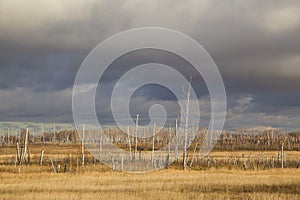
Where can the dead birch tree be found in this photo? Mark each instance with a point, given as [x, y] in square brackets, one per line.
[8, 139]
[244, 162]
[153, 140]
[52, 164]
[82, 146]
[177, 141]
[169, 147]
[18, 153]
[25, 145]
[129, 143]
[186, 127]
[136, 133]
[41, 157]
[282, 156]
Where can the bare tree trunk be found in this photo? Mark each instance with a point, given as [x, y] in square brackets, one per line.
[177, 142]
[18, 136]
[282, 156]
[169, 147]
[8, 140]
[153, 140]
[54, 170]
[18, 153]
[186, 126]
[82, 146]
[136, 132]
[93, 137]
[100, 146]
[41, 157]
[244, 162]
[129, 143]
[25, 145]
[273, 162]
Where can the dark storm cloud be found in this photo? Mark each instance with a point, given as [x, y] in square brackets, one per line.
[52, 71]
[255, 44]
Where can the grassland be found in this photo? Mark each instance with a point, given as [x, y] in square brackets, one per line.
[97, 181]
[164, 184]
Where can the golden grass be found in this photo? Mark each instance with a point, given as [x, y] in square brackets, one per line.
[99, 182]
[164, 184]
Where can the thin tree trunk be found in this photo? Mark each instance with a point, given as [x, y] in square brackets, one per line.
[82, 146]
[186, 126]
[25, 145]
[153, 140]
[244, 162]
[8, 140]
[129, 143]
[52, 164]
[41, 157]
[18, 153]
[282, 156]
[136, 133]
[177, 141]
[100, 146]
[169, 148]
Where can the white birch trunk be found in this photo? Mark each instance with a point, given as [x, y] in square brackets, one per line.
[186, 126]
[25, 144]
[282, 156]
[100, 146]
[129, 143]
[82, 146]
[177, 141]
[41, 157]
[153, 140]
[136, 132]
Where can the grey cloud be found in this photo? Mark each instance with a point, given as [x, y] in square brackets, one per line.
[19, 104]
[256, 45]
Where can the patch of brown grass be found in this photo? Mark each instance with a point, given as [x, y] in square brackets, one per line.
[164, 184]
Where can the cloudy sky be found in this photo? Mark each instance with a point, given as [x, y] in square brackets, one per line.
[255, 44]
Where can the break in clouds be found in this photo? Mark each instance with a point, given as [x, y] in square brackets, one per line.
[255, 44]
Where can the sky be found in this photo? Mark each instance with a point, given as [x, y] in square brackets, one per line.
[255, 44]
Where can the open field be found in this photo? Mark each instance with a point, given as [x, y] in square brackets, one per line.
[164, 184]
[249, 171]
[100, 182]
[69, 157]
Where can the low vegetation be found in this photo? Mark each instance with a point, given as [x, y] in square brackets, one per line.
[164, 184]
[239, 167]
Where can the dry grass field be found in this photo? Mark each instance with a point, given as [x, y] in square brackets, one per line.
[164, 184]
[96, 181]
